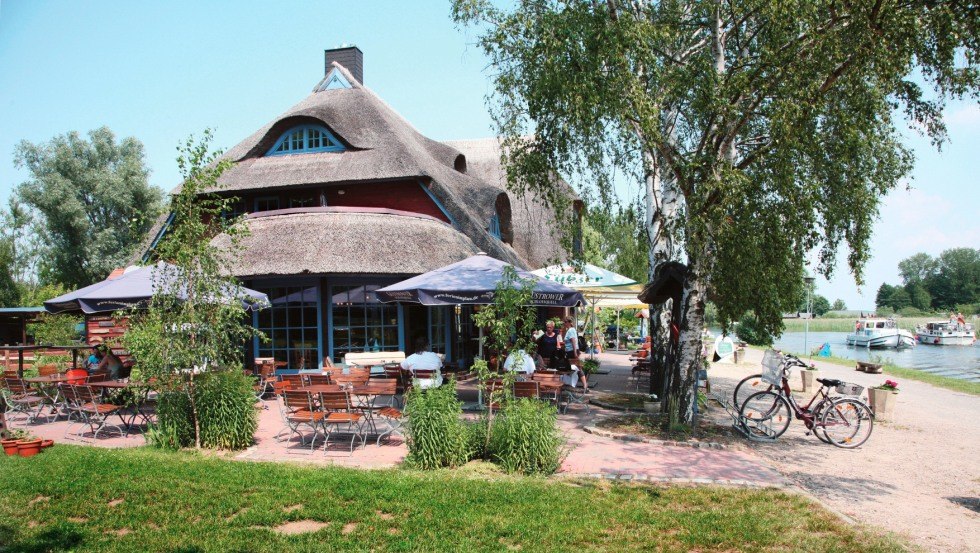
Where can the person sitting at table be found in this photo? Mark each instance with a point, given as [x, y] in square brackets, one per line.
[423, 359]
[519, 361]
[93, 359]
[108, 362]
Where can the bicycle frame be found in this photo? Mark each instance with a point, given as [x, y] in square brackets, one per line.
[804, 413]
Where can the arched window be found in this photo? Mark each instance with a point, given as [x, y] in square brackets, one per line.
[306, 139]
[494, 227]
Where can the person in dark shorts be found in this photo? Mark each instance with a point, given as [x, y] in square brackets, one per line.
[548, 345]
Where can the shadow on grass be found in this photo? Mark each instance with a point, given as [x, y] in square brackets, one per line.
[61, 537]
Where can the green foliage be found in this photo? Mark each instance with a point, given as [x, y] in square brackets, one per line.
[510, 318]
[55, 330]
[226, 407]
[226, 412]
[195, 318]
[762, 131]
[590, 365]
[940, 283]
[752, 332]
[838, 305]
[436, 434]
[91, 200]
[614, 238]
[819, 304]
[9, 296]
[526, 438]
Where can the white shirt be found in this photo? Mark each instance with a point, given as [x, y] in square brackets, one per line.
[425, 361]
[526, 365]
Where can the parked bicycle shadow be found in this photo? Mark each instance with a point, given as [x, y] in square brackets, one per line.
[842, 487]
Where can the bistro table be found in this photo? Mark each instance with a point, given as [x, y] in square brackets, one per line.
[49, 386]
[362, 397]
[141, 396]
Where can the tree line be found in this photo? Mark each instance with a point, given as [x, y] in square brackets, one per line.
[83, 211]
[950, 281]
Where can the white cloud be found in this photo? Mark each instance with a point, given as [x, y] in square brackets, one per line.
[965, 116]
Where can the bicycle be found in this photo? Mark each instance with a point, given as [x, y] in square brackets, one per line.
[845, 422]
[754, 383]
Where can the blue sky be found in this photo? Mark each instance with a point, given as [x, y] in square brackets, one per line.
[161, 71]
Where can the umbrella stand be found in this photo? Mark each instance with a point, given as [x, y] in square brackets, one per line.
[617, 329]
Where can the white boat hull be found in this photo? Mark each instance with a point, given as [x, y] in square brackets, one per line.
[883, 339]
[957, 339]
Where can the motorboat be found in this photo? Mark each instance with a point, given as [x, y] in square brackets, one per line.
[946, 333]
[879, 333]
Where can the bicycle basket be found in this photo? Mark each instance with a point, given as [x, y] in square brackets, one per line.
[772, 367]
[849, 389]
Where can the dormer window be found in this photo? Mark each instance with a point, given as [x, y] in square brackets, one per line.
[306, 139]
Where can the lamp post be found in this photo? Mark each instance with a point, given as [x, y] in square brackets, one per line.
[806, 329]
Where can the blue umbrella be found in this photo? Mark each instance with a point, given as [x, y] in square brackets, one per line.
[134, 288]
[473, 281]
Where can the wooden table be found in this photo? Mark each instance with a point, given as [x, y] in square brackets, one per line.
[50, 379]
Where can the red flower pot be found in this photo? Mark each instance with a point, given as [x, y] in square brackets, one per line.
[29, 448]
[46, 444]
[9, 446]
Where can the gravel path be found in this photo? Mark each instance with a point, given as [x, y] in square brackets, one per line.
[918, 475]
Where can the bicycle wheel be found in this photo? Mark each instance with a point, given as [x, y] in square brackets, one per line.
[847, 422]
[748, 386]
[818, 412]
[766, 415]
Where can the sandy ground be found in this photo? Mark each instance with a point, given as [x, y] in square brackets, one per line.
[918, 475]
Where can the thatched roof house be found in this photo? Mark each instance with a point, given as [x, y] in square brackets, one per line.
[341, 192]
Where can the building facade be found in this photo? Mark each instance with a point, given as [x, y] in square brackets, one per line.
[343, 196]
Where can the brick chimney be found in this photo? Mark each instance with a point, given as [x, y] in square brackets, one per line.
[350, 57]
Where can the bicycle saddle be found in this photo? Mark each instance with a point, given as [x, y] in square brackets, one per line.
[831, 382]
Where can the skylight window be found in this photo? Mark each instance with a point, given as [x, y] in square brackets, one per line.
[306, 139]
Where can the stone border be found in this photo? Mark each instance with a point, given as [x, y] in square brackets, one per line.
[628, 477]
[613, 407]
[645, 439]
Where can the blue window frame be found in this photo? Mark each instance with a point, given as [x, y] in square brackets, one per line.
[494, 227]
[266, 203]
[304, 139]
[361, 323]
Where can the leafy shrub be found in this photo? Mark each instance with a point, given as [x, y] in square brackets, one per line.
[174, 428]
[226, 407]
[525, 438]
[226, 410]
[476, 438]
[436, 434]
[752, 332]
[55, 330]
[590, 365]
[912, 312]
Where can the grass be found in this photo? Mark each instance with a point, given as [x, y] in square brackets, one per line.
[847, 325]
[85, 499]
[954, 384]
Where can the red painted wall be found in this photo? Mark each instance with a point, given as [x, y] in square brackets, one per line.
[405, 195]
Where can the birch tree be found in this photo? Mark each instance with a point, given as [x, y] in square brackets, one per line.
[764, 131]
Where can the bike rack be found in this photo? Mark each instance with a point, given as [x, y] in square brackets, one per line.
[749, 429]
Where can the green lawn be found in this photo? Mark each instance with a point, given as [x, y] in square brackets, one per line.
[83, 498]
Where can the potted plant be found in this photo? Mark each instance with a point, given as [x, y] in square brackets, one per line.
[46, 444]
[809, 378]
[882, 399]
[590, 366]
[9, 446]
[29, 448]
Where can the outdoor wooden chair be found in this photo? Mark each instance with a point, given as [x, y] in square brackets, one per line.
[386, 411]
[300, 410]
[493, 391]
[98, 377]
[97, 412]
[295, 380]
[73, 406]
[319, 379]
[528, 389]
[550, 385]
[353, 379]
[266, 373]
[359, 372]
[22, 399]
[338, 410]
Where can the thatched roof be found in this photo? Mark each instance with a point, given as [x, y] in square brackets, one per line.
[323, 240]
[466, 177]
[534, 225]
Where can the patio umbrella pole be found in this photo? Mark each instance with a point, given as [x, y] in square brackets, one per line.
[617, 329]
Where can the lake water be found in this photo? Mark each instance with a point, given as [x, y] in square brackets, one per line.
[952, 361]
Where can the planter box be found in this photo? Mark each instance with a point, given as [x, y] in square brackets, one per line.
[809, 380]
[882, 402]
